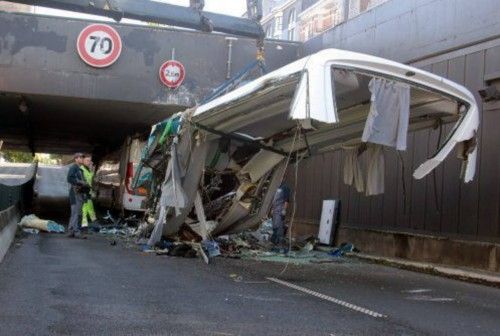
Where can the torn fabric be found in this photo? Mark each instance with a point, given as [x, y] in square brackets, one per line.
[172, 194]
[375, 170]
[352, 167]
[158, 229]
[387, 122]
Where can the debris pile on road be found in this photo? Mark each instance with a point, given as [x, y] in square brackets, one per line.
[248, 244]
[120, 226]
[255, 245]
[35, 223]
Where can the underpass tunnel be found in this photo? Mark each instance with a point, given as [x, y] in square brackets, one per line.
[65, 125]
[52, 100]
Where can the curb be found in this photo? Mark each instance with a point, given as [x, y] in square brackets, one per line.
[440, 270]
[8, 228]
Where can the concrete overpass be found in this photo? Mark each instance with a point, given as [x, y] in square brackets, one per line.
[51, 101]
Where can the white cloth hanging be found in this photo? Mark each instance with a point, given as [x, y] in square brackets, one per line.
[375, 170]
[387, 122]
[172, 193]
[158, 229]
[352, 167]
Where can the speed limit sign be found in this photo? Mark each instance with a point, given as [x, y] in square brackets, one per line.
[99, 45]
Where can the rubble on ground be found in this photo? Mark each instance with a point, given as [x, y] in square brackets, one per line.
[255, 245]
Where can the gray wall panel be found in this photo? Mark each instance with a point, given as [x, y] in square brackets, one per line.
[474, 72]
[448, 38]
[391, 196]
[419, 28]
[451, 189]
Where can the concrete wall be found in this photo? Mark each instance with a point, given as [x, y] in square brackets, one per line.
[406, 31]
[36, 49]
[424, 248]
[74, 107]
[8, 226]
[457, 39]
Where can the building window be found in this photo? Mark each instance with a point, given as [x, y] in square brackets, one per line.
[291, 34]
[278, 25]
[292, 16]
[270, 30]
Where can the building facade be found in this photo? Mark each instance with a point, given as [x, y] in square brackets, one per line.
[301, 20]
[16, 8]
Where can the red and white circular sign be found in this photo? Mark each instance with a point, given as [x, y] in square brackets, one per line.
[172, 74]
[99, 45]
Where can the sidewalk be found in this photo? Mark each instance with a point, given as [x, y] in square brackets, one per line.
[464, 274]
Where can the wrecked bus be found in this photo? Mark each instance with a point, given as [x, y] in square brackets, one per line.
[114, 179]
[217, 166]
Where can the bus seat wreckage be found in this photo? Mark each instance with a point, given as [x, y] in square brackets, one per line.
[217, 166]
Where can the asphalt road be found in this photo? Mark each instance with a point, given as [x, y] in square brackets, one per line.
[50, 285]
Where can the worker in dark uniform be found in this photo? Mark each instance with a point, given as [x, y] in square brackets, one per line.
[77, 190]
[280, 206]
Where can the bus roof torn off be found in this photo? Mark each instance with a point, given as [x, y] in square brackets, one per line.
[226, 158]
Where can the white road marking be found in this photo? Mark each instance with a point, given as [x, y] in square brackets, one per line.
[416, 291]
[429, 298]
[328, 298]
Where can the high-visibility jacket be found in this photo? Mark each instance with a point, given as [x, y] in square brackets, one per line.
[88, 175]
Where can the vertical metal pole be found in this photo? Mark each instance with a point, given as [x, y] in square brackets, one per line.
[229, 55]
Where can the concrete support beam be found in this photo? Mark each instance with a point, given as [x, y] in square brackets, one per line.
[77, 104]
[157, 12]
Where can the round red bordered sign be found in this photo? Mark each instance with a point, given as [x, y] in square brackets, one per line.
[99, 45]
[172, 74]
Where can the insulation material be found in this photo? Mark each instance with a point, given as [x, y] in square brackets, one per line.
[387, 122]
[375, 170]
[260, 164]
[353, 174]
